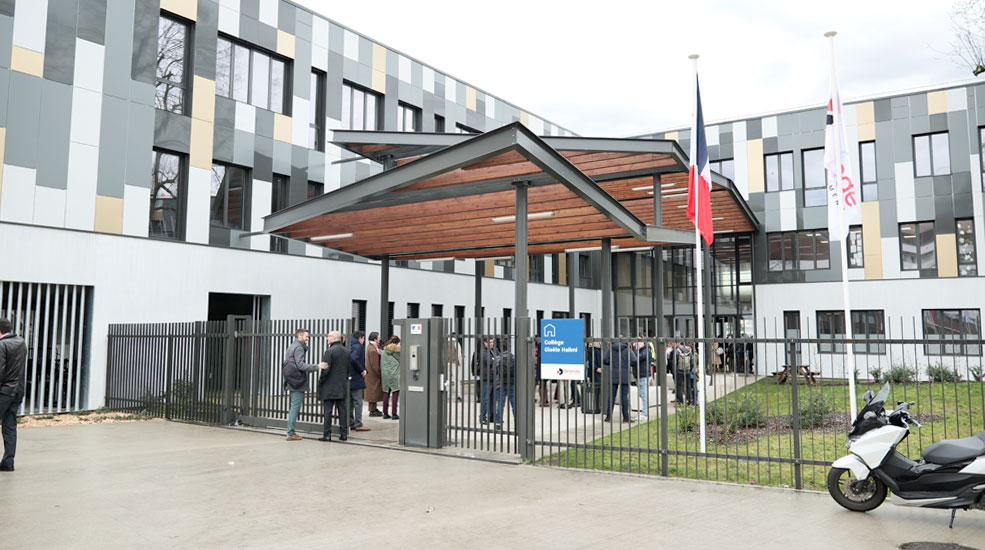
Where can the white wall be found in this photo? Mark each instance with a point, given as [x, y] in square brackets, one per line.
[138, 280]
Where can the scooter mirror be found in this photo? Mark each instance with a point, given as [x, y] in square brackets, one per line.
[867, 396]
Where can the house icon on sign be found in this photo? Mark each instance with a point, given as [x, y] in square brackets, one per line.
[550, 331]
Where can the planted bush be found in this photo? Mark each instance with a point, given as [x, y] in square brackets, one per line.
[899, 374]
[814, 410]
[942, 373]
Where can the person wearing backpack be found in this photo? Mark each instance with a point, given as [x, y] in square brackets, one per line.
[294, 371]
[505, 370]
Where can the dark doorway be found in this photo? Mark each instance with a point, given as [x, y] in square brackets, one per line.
[248, 305]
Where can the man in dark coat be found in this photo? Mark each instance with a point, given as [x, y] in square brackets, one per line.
[332, 386]
[297, 352]
[357, 380]
[13, 357]
[483, 366]
[621, 360]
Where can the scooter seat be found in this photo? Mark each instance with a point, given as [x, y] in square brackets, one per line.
[955, 450]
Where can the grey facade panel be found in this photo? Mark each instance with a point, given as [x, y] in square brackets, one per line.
[812, 120]
[392, 63]
[754, 128]
[282, 158]
[726, 150]
[786, 124]
[920, 125]
[333, 86]
[53, 134]
[304, 17]
[266, 37]
[725, 138]
[942, 186]
[92, 21]
[960, 151]
[248, 26]
[336, 40]
[222, 144]
[964, 206]
[7, 7]
[943, 215]
[4, 92]
[250, 8]
[923, 187]
[902, 143]
[302, 70]
[60, 37]
[243, 147]
[938, 123]
[299, 174]
[140, 141]
[882, 110]
[206, 40]
[146, 21]
[172, 131]
[316, 166]
[918, 105]
[23, 120]
[225, 112]
[142, 93]
[264, 123]
[112, 147]
[771, 145]
[925, 210]
[961, 183]
[302, 30]
[6, 40]
[417, 75]
[814, 217]
[118, 62]
[409, 94]
[263, 158]
[365, 52]
[886, 188]
[885, 164]
[888, 221]
[286, 17]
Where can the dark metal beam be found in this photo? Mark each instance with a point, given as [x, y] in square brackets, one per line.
[669, 235]
[480, 265]
[384, 296]
[572, 267]
[521, 260]
[606, 288]
[657, 202]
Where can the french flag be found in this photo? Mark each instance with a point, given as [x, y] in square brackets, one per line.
[699, 175]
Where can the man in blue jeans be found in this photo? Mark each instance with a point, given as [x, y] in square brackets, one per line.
[483, 366]
[299, 350]
[13, 358]
[505, 368]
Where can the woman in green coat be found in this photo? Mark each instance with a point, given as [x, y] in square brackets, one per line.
[390, 370]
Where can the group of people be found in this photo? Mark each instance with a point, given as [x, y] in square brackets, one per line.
[494, 367]
[366, 371]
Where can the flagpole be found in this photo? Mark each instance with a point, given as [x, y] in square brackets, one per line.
[699, 302]
[836, 115]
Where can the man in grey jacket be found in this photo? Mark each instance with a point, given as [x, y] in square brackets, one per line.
[298, 350]
[13, 356]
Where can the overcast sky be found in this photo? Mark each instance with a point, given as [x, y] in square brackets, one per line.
[620, 68]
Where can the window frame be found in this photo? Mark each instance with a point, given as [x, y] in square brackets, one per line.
[855, 229]
[224, 187]
[312, 186]
[186, 65]
[287, 92]
[829, 318]
[353, 89]
[718, 165]
[878, 346]
[813, 189]
[181, 207]
[970, 265]
[405, 109]
[918, 234]
[930, 151]
[948, 347]
[464, 129]
[780, 179]
[791, 241]
[317, 113]
[439, 124]
[870, 187]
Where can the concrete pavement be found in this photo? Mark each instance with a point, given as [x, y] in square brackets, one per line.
[165, 484]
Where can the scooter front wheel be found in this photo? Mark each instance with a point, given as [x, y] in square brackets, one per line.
[857, 495]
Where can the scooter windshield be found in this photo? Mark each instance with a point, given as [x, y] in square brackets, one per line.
[874, 405]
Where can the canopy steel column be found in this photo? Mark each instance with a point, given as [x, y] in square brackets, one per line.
[384, 297]
[521, 260]
[480, 265]
[658, 264]
[572, 259]
[606, 288]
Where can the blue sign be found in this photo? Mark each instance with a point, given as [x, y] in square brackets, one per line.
[562, 349]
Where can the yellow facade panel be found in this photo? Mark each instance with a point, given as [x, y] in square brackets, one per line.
[865, 113]
[27, 61]
[562, 265]
[672, 136]
[470, 97]
[109, 215]
[867, 131]
[282, 128]
[947, 256]
[490, 268]
[379, 81]
[871, 240]
[524, 119]
[200, 145]
[185, 8]
[203, 99]
[937, 102]
[285, 43]
[754, 154]
[3, 143]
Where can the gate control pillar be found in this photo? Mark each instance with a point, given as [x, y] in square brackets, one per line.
[423, 383]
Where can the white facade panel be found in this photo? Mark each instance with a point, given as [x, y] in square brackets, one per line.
[260, 207]
[89, 58]
[269, 12]
[198, 205]
[319, 32]
[49, 206]
[246, 117]
[29, 24]
[83, 167]
[17, 201]
[87, 108]
[136, 210]
[228, 21]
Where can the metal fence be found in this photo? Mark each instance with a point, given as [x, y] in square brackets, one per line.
[776, 408]
[214, 371]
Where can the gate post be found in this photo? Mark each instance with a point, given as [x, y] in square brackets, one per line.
[525, 433]
[664, 436]
[169, 373]
[229, 370]
[795, 413]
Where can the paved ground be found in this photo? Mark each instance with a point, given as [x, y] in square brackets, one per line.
[171, 485]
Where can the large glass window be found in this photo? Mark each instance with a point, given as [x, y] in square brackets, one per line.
[815, 189]
[779, 171]
[831, 324]
[869, 325]
[799, 250]
[725, 167]
[280, 198]
[229, 190]
[867, 169]
[918, 246]
[359, 108]
[316, 116]
[252, 76]
[951, 326]
[408, 118]
[172, 65]
[931, 155]
[167, 209]
[856, 257]
[967, 255]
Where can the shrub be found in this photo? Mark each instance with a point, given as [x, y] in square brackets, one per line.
[687, 418]
[184, 389]
[151, 403]
[875, 373]
[814, 410]
[942, 373]
[977, 373]
[734, 413]
[899, 374]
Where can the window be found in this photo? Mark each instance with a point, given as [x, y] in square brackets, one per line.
[463, 129]
[918, 246]
[359, 108]
[251, 76]
[535, 264]
[981, 153]
[439, 124]
[315, 189]
[779, 171]
[316, 116]
[229, 192]
[831, 324]
[952, 325]
[724, 167]
[460, 319]
[799, 250]
[507, 320]
[279, 199]
[931, 155]
[856, 256]
[585, 270]
[413, 310]
[407, 118]
[869, 325]
[359, 315]
[967, 255]
[815, 189]
[172, 65]
[167, 208]
[437, 310]
[867, 169]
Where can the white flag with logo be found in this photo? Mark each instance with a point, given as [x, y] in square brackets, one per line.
[844, 198]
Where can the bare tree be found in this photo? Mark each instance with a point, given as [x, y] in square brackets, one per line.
[968, 22]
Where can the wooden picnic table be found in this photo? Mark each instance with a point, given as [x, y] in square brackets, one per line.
[805, 371]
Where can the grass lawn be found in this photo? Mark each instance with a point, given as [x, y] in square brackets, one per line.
[946, 410]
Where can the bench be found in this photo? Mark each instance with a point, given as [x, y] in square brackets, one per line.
[804, 370]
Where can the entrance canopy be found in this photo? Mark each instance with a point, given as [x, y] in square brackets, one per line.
[454, 196]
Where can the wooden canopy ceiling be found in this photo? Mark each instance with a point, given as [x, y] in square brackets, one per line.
[454, 196]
